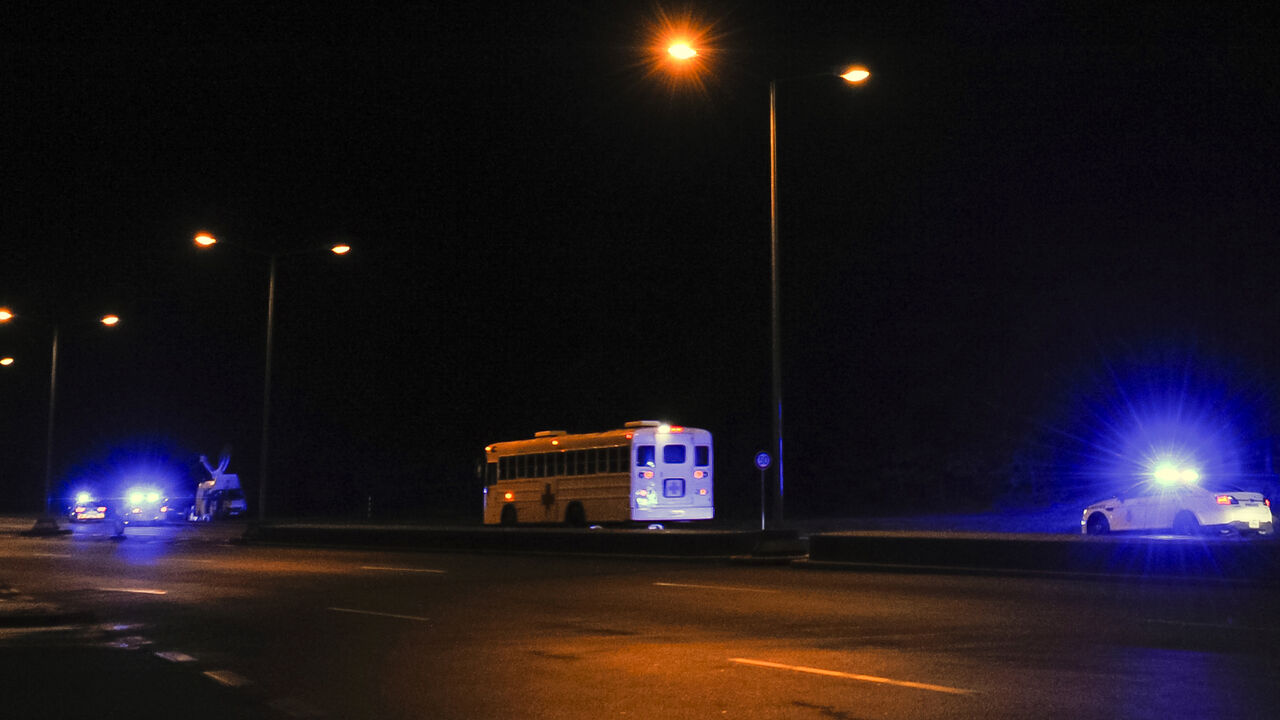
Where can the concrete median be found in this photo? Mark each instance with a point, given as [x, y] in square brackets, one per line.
[1153, 557]
[640, 542]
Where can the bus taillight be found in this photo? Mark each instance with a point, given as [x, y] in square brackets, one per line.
[699, 474]
[509, 496]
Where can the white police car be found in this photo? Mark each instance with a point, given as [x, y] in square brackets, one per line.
[1178, 499]
[87, 508]
[144, 505]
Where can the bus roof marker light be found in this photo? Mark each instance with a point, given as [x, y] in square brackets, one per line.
[664, 428]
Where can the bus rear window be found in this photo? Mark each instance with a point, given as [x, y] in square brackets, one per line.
[644, 456]
[673, 454]
[702, 455]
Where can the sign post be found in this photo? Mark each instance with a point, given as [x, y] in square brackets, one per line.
[763, 461]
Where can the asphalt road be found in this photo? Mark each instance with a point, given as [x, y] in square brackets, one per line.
[191, 625]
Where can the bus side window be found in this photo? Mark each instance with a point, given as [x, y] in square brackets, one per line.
[644, 456]
[560, 463]
[490, 473]
[592, 455]
[616, 460]
[702, 455]
[522, 466]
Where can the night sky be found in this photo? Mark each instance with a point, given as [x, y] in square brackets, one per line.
[1027, 218]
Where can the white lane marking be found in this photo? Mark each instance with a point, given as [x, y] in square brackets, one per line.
[226, 677]
[853, 676]
[18, 632]
[1210, 626]
[175, 656]
[51, 555]
[715, 587]
[402, 569]
[380, 614]
[136, 591]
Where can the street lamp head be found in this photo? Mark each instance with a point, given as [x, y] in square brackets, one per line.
[6, 361]
[6, 314]
[205, 239]
[340, 249]
[856, 74]
[110, 320]
[680, 50]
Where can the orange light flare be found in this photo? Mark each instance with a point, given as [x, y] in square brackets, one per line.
[205, 239]
[680, 48]
[856, 74]
[110, 320]
[340, 249]
[5, 314]
[6, 361]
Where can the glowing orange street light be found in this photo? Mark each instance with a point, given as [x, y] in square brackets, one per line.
[7, 361]
[205, 240]
[5, 315]
[340, 249]
[856, 74]
[680, 50]
[110, 320]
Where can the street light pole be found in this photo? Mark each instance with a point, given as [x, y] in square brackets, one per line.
[206, 240]
[774, 308]
[47, 523]
[266, 393]
[853, 75]
[48, 443]
[680, 51]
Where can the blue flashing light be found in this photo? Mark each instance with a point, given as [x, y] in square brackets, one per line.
[1166, 415]
[1166, 474]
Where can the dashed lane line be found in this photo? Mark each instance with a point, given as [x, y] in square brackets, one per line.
[403, 569]
[135, 591]
[227, 677]
[715, 587]
[380, 614]
[852, 676]
[175, 656]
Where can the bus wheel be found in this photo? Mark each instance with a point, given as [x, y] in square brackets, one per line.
[575, 515]
[508, 514]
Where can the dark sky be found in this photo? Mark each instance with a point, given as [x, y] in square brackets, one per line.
[549, 234]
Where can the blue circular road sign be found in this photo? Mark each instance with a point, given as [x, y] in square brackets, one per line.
[763, 460]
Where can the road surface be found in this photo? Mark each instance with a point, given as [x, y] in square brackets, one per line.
[251, 631]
